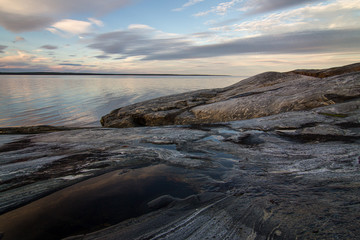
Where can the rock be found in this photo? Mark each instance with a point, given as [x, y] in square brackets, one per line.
[322, 73]
[262, 95]
[286, 175]
[280, 176]
[34, 129]
[160, 111]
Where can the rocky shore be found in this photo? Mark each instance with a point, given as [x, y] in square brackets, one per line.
[262, 95]
[275, 156]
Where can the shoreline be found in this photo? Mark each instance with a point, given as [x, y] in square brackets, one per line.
[39, 129]
[115, 74]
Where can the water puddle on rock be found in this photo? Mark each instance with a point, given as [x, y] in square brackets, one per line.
[94, 204]
[6, 139]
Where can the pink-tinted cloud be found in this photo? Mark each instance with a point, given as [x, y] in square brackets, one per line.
[25, 15]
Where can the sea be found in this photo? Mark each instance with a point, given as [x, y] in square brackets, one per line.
[81, 100]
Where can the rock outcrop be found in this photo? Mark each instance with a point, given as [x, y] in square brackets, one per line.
[262, 95]
[322, 73]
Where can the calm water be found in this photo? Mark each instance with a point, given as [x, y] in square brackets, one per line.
[82, 100]
[95, 203]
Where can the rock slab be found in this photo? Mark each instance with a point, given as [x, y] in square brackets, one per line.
[294, 175]
[262, 95]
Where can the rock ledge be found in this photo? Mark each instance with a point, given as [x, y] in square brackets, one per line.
[262, 95]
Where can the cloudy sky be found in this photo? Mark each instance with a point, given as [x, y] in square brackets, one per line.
[238, 37]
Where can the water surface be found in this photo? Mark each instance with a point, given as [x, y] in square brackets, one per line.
[94, 204]
[28, 100]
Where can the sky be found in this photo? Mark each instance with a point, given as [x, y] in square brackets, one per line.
[236, 37]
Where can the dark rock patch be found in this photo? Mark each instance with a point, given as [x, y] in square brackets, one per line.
[16, 145]
[34, 129]
[311, 138]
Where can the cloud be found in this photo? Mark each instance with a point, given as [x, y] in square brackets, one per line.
[23, 60]
[71, 64]
[18, 39]
[140, 27]
[264, 6]
[187, 4]
[49, 47]
[220, 9]
[142, 42]
[102, 57]
[21, 23]
[251, 7]
[2, 47]
[25, 15]
[204, 35]
[96, 22]
[70, 26]
[298, 42]
[337, 15]
[137, 40]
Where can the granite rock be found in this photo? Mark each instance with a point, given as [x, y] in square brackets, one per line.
[292, 175]
[262, 95]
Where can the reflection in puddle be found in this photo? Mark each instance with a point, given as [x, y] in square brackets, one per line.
[5, 138]
[94, 204]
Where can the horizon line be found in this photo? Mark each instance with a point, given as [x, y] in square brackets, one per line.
[108, 74]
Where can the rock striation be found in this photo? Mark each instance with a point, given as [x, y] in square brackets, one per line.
[293, 175]
[262, 95]
[285, 175]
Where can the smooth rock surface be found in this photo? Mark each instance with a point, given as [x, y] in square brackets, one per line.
[262, 95]
[293, 175]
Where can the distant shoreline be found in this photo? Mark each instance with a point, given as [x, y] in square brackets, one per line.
[111, 74]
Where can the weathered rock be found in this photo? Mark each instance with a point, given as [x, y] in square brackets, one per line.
[321, 73]
[160, 111]
[285, 176]
[262, 95]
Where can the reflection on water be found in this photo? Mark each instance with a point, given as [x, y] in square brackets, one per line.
[94, 204]
[82, 100]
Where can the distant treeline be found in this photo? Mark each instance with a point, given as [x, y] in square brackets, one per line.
[105, 74]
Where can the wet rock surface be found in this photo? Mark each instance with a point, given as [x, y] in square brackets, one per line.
[34, 129]
[289, 175]
[286, 176]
